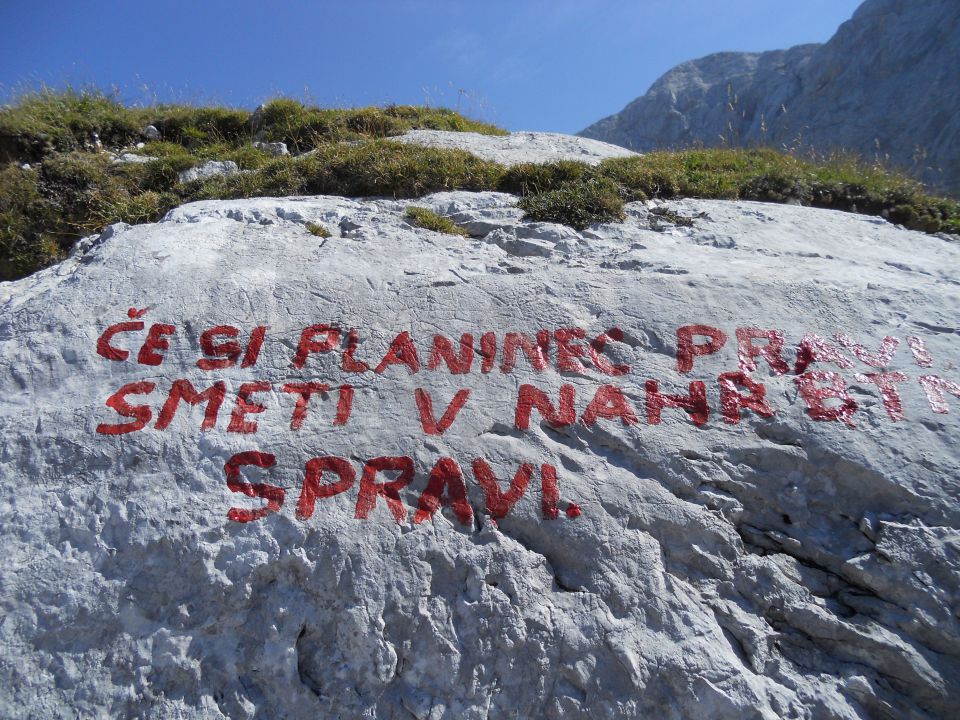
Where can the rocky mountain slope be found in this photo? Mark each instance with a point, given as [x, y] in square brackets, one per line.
[885, 86]
[701, 463]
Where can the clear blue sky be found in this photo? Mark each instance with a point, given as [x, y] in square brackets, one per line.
[553, 65]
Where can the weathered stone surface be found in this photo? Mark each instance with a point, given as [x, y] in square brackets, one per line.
[210, 168]
[518, 147]
[128, 158]
[781, 567]
[849, 93]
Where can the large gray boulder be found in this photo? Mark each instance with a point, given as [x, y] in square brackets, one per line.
[885, 86]
[790, 556]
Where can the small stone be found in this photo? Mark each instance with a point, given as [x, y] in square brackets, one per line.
[274, 148]
[547, 232]
[347, 226]
[150, 132]
[209, 169]
[133, 159]
[256, 117]
[519, 247]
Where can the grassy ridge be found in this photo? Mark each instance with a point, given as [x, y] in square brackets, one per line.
[47, 121]
[73, 188]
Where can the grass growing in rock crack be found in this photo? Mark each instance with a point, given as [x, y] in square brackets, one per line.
[669, 216]
[577, 203]
[429, 220]
[317, 230]
[73, 188]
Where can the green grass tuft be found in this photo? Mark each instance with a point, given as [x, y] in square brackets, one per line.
[429, 220]
[577, 204]
[317, 230]
[303, 128]
[28, 236]
[534, 178]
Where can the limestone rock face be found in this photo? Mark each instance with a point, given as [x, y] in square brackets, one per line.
[885, 86]
[598, 512]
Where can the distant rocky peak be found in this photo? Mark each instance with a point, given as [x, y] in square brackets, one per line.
[885, 86]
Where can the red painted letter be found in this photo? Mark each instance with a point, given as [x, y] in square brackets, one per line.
[313, 490]
[813, 349]
[731, 401]
[118, 402]
[695, 403]
[887, 384]
[536, 353]
[148, 354]
[303, 391]
[815, 396]
[919, 351]
[348, 363]
[568, 351]
[549, 492]
[609, 403]
[238, 423]
[401, 352]
[488, 351]
[273, 495]
[687, 350]
[370, 490]
[747, 351]
[309, 343]
[446, 474]
[443, 352]
[253, 347]
[888, 347]
[105, 349]
[344, 404]
[425, 406]
[497, 502]
[531, 397]
[229, 351]
[935, 387]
